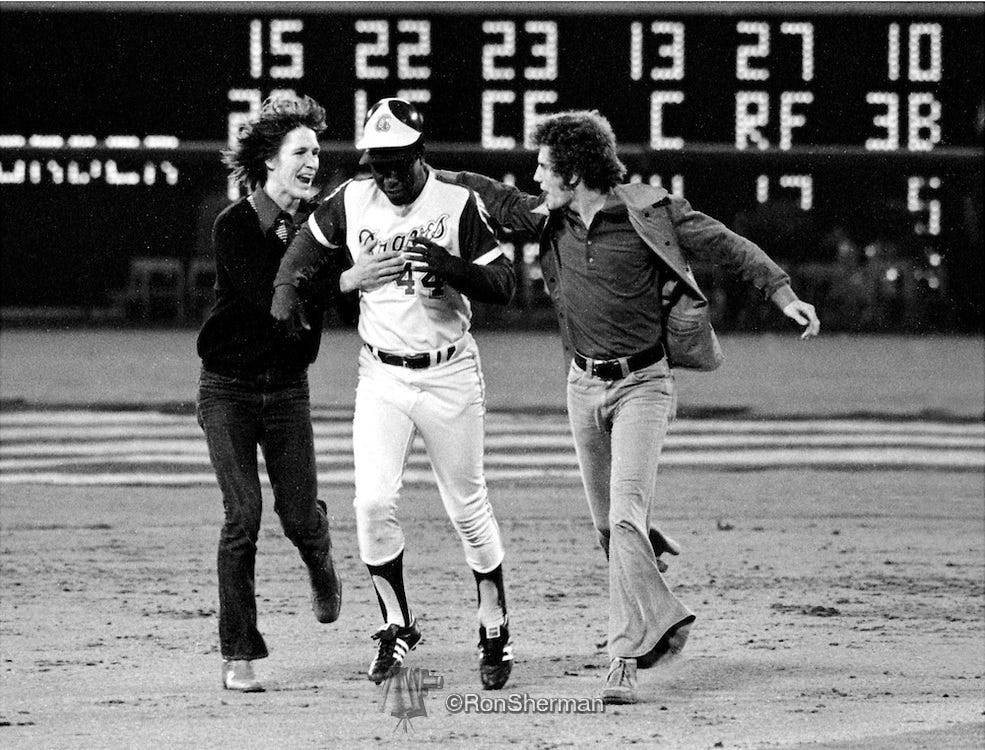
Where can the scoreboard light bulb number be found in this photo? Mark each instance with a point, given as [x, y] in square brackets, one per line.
[802, 183]
[277, 47]
[917, 202]
[746, 54]
[924, 52]
[672, 51]
[406, 53]
[545, 48]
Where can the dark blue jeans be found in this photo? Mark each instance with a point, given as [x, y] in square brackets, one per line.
[237, 414]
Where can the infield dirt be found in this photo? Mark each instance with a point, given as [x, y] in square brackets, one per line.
[835, 609]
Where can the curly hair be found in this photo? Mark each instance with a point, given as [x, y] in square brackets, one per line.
[261, 138]
[582, 145]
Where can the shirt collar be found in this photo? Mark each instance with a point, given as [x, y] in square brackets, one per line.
[267, 210]
[614, 204]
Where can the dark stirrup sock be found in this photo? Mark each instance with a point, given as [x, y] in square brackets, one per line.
[388, 580]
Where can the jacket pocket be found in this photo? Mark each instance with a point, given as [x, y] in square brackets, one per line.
[689, 338]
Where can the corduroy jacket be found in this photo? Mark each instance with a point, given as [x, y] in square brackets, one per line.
[675, 232]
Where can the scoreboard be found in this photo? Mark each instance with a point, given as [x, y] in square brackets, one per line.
[113, 115]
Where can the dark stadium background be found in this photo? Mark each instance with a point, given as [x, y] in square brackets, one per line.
[86, 253]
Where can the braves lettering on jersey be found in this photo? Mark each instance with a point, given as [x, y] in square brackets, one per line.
[417, 312]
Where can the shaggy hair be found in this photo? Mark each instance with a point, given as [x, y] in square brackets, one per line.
[261, 138]
[582, 145]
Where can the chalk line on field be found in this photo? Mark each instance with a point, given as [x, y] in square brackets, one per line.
[145, 448]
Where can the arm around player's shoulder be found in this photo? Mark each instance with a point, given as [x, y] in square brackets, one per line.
[507, 206]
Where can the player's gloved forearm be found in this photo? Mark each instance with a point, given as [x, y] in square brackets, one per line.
[492, 283]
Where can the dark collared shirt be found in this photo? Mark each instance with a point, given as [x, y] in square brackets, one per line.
[239, 336]
[611, 281]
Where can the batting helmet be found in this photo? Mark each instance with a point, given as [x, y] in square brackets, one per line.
[393, 126]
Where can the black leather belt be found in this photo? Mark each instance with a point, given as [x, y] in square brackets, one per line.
[412, 361]
[613, 369]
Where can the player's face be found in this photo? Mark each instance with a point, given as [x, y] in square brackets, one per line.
[557, 194]
[401, 180]
[291, 173]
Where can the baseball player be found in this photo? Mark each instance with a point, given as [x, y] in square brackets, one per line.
[418, 249]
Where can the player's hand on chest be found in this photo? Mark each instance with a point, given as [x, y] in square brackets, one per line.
[426, 264]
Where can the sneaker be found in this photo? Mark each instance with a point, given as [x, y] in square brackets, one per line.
[237, 674]
[620, 685]
[495, 655]
[395, 642]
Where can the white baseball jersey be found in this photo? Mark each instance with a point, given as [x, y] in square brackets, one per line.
[417, 312]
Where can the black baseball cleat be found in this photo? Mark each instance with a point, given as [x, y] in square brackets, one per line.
[395, 642]
[495, 655]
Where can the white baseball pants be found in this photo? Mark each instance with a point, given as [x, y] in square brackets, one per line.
[445, 404]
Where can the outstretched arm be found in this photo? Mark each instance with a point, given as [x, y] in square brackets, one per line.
[704, 236]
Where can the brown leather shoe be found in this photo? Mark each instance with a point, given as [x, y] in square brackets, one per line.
[237, 674]
[662, 543]
[326, 592]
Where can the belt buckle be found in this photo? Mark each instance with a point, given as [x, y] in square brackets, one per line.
[610, 369]
[601, 369]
